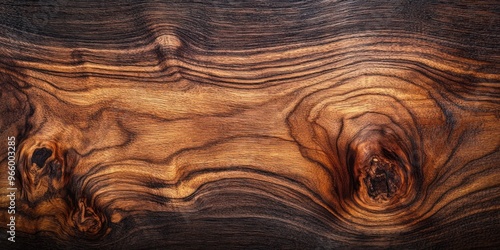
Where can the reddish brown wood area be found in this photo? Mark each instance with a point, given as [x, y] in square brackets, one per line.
[252, 124]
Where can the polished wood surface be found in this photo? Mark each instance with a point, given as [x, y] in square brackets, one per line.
[259, 124]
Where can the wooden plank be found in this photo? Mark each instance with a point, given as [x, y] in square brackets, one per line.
[267, 124]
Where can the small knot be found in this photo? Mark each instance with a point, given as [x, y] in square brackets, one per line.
[169, 42]
[381, 180]
[40, 155]
[86, 219]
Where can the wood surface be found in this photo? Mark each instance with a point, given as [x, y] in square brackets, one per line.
[252, 124]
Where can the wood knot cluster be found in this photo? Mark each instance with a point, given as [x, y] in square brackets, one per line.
[48, 184]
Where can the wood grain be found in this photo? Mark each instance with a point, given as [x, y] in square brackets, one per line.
[266, 124]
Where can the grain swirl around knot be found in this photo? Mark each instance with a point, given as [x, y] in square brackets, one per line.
[373, 151]
[271, 124]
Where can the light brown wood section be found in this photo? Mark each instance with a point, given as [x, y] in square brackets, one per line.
[267, 124]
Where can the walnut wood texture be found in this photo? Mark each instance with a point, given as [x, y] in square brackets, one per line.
[262, 124]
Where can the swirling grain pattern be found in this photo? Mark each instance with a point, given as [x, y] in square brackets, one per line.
[262, 124]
